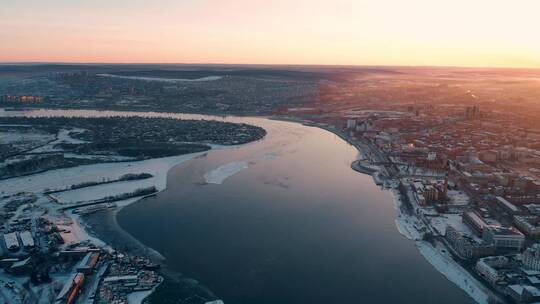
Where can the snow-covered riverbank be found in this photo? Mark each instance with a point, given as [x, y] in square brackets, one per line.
[445, 264]
[411, 227]
[56, 179]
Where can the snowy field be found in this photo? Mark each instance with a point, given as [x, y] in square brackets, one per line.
[56, 179]
[62, 137]
[220, 174]
[25, 137]
[25, 140]
[101, 191]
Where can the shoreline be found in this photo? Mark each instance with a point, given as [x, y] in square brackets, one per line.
[444, 265]
[80, 230]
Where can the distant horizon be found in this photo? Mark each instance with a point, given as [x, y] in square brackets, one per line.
[268, 65]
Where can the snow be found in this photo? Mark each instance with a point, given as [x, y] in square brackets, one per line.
[405, 226]
[269, 156]
[208, 78]
[74, 232]
[445, 264]
[439, 257]
[11, 240]
[24, 137]
[55, 179]
[27, 239]
[218, 175]
[440, 223]
[138, 297]
[61, 137]
[101, 191]
[458, 198]
[101, 158]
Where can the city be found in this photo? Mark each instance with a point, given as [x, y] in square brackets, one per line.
[247, 151]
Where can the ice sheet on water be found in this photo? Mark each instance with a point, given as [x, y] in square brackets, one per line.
[220, 174]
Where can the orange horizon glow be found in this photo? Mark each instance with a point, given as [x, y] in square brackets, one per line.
[477, 33]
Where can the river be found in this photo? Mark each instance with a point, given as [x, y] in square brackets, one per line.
[293, 223]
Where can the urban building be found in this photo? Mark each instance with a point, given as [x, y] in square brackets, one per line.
[529, 225]
[523, 293]
[503, 238]
[531, 257]
[474, 221]
[466, 247]
[488, 268]
[507, 206]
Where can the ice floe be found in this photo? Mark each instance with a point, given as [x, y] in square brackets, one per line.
[220, 174]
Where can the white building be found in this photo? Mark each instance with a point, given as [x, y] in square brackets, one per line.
[504, 238]
[487, 268]
[27, 239]
[11, 240]
[531, 257]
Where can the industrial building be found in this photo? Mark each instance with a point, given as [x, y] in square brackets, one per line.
[11, 240]
[71, 289]
[27, 240]
[88, 263]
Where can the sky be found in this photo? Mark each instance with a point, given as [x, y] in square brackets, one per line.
[486, 33]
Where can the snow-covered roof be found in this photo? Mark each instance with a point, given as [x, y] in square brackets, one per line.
[27, 239]
[11, 240]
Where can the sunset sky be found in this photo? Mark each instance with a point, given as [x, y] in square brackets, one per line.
[361, 32]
